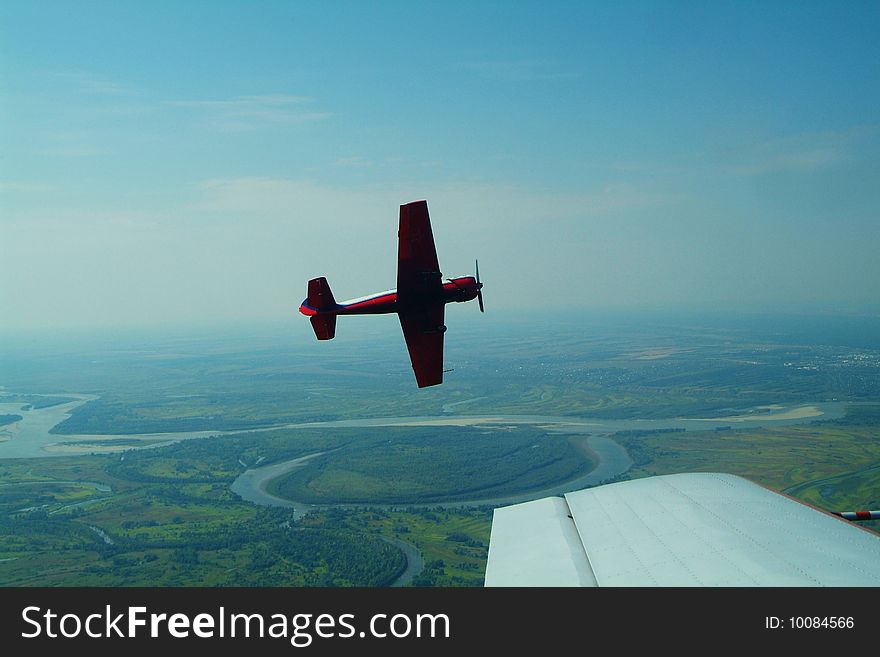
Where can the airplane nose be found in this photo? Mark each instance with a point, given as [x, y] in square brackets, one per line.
[479, 284]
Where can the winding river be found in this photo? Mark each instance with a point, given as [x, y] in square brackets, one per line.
[30, 437]
[252, 484]
[613, 460]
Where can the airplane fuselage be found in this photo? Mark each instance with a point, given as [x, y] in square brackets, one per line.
[461, 289]
[419, 301]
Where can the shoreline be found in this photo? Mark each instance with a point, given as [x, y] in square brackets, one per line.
[31, 436]
[251, 486]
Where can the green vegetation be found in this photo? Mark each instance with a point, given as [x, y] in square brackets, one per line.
[410, 465]
[221, 459]
[166, 515]
[859, 415]
[832, 465]
[128, 533]
[113, 442]
[9, 419]
[612, 370]
[35, 401]
[113, 415]
[453, 542]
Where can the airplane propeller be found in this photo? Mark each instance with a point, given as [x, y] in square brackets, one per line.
[479, 286]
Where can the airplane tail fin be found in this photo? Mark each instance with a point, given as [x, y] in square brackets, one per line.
[321, 298]
[324, 325]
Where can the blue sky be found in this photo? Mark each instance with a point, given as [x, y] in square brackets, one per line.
[173, 161]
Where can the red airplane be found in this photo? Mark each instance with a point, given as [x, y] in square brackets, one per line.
[419, 300]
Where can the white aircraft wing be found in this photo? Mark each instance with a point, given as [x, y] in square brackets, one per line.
[695, 529]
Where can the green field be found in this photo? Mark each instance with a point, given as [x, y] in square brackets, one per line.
[422, 465]
[9, 419]
[166, 515]
[147, 534]
[834, 466]
[611, 368]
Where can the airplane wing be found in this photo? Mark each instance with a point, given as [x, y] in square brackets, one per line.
[418, 273]
[693, 529]
[423, 331]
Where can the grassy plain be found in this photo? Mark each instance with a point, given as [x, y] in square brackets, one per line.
[608, 367]
[437, 464]
[166, 515]
[135, 533]
[832, 465]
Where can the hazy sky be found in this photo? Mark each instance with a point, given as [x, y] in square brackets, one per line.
[183, 160]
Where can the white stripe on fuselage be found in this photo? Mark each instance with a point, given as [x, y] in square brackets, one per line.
[369, 297]
[376, 295]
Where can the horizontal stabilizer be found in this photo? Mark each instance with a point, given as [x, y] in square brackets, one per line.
[324, 325]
